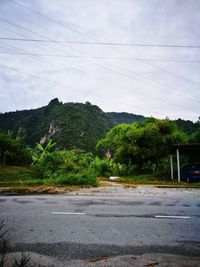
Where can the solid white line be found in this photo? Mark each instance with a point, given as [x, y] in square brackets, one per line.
[172, 217]
[67, 213]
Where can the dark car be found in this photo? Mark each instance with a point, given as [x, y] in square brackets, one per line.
[191, 173]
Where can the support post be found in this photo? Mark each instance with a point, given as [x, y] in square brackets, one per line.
[172, 170]
[178, 165]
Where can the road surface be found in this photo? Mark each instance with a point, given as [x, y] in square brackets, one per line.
[70, 228]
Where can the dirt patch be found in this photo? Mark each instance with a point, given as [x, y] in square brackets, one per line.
[117, 189]
[148, 260]
[105, 188]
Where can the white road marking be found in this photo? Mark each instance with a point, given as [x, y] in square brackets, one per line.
[172, 217]
[67, 213]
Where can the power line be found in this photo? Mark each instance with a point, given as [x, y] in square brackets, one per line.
[41, 59]
[108, 82]
[105, 67]
[32, 32]
[16, 25]
[108, 68]
[66, 68]
[171, 73]
[63, 85]
[96, 41]
[46, 80]
[96, 77]
[68, 27]
[71, 27]
[59, 84]
[102, 57]
[100, 43]
[23, 52]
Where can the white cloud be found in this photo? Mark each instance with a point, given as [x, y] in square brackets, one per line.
[143, 87]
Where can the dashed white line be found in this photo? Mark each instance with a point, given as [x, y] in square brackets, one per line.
[156, 216]
[67, 213]
[172, 217]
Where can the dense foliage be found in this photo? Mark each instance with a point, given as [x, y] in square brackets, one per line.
[70, 125]
[72, 167]
[142, 146]
[13, 150]
[195, 137]
[187, 126]
[123, 117]
[65, 167]
[66, 136]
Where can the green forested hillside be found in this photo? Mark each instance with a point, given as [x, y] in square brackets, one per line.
[71, 125]
[123, 117]
[187, 126]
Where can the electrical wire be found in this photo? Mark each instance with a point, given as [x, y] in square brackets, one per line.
[125, 75]
[108, 68]
[100, 43]
[69, 27]
[66, 86]
[102, 57]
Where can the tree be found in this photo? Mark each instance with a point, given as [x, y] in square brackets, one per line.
[13, 151]
[195, 137]
[142, 142]
[6, 146]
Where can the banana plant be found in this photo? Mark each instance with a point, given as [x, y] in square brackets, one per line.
[41, 151]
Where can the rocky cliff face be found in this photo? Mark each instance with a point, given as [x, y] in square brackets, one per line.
[70, 125]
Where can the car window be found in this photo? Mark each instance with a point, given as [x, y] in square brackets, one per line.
[191, 167]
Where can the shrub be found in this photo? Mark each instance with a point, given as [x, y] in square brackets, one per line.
[148, 167]
[13, 151]
[77, 179]
[102, 167]
[108, 167]
[66, 167]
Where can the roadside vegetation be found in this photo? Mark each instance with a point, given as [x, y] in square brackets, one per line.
[24, 260]
[137, 153]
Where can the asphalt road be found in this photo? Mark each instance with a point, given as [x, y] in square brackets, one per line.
[83, 227]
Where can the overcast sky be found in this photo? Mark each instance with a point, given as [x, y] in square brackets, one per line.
[151, 81]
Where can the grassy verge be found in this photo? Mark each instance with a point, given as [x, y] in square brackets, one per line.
[14, 179]
[156, 180]
[20, 180]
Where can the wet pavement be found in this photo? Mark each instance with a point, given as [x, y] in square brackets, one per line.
[106, 228]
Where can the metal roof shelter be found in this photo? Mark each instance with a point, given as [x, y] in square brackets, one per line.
[185, 149]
